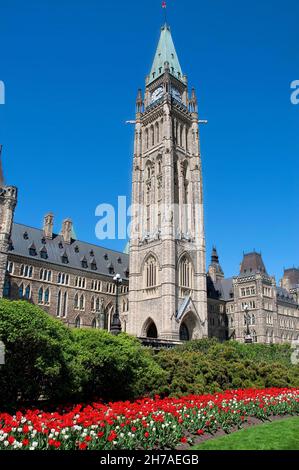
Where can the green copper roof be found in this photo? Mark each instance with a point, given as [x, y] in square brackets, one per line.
[165, 53]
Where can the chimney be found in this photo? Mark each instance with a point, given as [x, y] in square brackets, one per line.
[66, 231]
[48, 225]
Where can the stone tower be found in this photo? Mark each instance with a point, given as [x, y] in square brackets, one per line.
[8, 201]
[167, 295]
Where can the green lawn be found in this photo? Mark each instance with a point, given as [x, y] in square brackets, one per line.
[278, 435]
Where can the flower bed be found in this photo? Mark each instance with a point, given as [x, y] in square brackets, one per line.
[144, 424]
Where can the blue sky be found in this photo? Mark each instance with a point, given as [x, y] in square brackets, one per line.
[72, 69]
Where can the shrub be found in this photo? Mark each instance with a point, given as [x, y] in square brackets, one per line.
[38, 354]
[113, 367]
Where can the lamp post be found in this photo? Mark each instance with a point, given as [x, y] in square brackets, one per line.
[248, 337]
[116, 324]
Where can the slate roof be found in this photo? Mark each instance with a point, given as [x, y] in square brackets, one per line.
[292, 275]
[24, 237]
[225, 287]
[252, 263]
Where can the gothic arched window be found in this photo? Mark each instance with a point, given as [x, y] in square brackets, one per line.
[78, 322]
[151, 272]
[47, 296]
[82, 302]
[76, 301]
[28, 292]
[40, 295]
[21, 290]
[185, 275]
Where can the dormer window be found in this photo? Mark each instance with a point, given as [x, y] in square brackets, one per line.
[43, 253]
[119, 260]
[43, 240]
[64, 258]
[84, 263]
[91, 253]
[93, 264]
[77, 250]
[25, 235]
[110, 268]
[60, 245]
[105, 256]
[32, 250]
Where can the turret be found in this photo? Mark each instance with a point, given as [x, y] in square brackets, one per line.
[215, 270]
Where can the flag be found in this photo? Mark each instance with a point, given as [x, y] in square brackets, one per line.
[164, 5]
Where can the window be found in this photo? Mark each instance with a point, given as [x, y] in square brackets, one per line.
[64, 258]
[26, 271]
[32, 250]
[78, 322]
[92, 304]
[28, 292]
[21, 290]
[82, 302]
[94, 323]
[40, 295]
[76, 301]
[63, 278]
[43, 253]
[47, 296]
[151, 272]
[10, 267]
[58, 304]
[84, 263]
[185, 276]
[7, 288]
[64, 308]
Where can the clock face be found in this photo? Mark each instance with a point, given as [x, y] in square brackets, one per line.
[157, 94]
[176, 94]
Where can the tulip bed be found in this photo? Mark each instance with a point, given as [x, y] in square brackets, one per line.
[145, 424]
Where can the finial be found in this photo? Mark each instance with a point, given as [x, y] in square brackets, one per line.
[164, 7]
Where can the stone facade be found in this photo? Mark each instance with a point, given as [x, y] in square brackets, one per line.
[166, 293]
[273, 310]
[167, 249]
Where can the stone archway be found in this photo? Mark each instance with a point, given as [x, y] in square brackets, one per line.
[149, 329]
[190, 327]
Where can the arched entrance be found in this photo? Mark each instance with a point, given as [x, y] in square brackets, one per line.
[190, 327]
[152, 331]
[184, 333]
[149, 329]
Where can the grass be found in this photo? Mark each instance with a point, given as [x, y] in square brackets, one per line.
[278, 435]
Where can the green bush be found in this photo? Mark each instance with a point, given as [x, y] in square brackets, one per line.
[38, 354]
[45, 359]
[113, 367]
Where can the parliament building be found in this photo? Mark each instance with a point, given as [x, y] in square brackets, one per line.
[168, 295]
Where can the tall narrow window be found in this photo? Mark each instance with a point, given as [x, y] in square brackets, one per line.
[21, 291]
[58, 304]
[64, 308]
[27, 292]
[151, 272]
[185, 276]
[47, 296]
[7, 288]
[40, 295]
